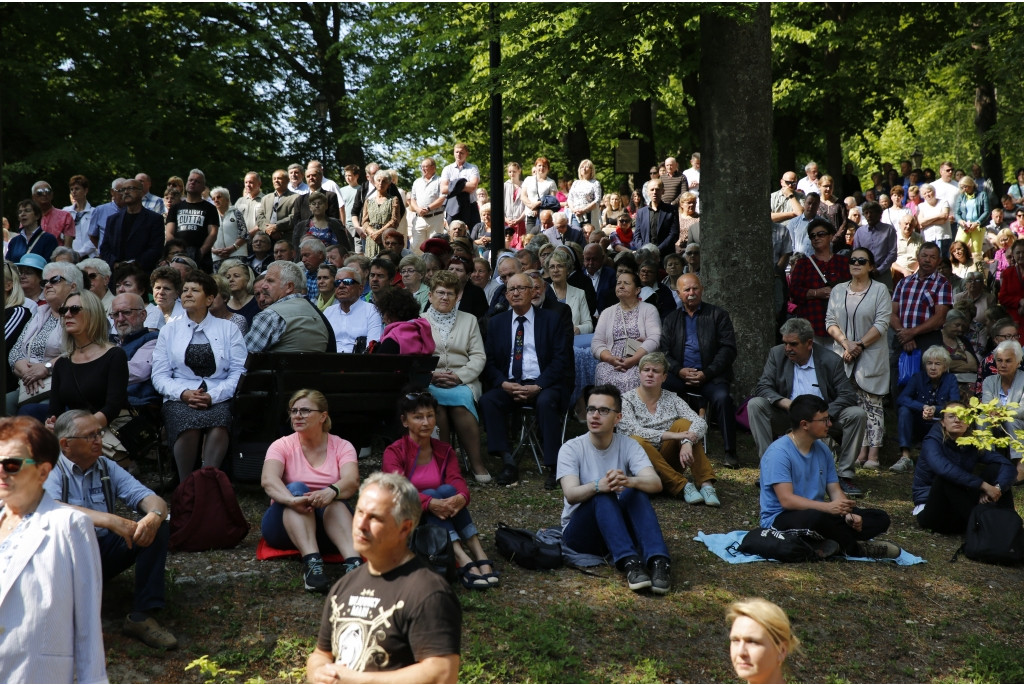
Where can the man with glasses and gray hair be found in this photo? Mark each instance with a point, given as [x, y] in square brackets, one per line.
[355, 322]
[128, 311]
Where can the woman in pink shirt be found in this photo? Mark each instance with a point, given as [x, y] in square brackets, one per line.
[308, 475]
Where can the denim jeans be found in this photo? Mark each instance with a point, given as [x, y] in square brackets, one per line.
[625, 525]
[460, 526]
[149, 566]
[273, 530]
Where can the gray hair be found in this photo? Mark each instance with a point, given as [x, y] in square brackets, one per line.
[353, 271]
[1012, 346]
[938, 353]
[956, 315]
[315, 244]
[559, 218]
[413, 261]
[807, 167]
[406, 499]
[458, 223]
[381, 175]
[61, 251]
[198, 172]
[70, 272]
[101, 266]
[116, 182]
[802, 328]
[221, 190]
[925, 186]
[65, 425]
[291, 273]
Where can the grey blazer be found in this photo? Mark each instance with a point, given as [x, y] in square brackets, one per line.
[871, 369]
[776, 382]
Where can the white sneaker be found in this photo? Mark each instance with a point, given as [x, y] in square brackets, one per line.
[692, 495]
[904, 465]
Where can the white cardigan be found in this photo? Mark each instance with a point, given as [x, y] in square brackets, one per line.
[170, 375]
[577, 301]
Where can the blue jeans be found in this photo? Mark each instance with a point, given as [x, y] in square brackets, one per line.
[273, 530]
[149, 566]
[460, 526]
[626, 526]
[911, 427]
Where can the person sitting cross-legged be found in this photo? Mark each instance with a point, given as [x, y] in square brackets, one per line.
[797, 471]
[670, 433]
[607, 479]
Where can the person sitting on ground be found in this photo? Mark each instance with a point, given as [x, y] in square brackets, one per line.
[606, 480]
[922, 401]
[308, 475]
[433, 467]
[417, 617]
[404, 331]
[946, 489]
[760, 638]
[797, 472]
[670, 433]
[87, 481]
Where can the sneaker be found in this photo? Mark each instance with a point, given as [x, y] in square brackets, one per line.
[872, 465]
[351, 564]
[661, 576]
[878, 549]
[150, 632]
[903, 465]
[825, 548]
[709, 496]
[636, 575]
[849, 489]
[691, 495]
[313, 577]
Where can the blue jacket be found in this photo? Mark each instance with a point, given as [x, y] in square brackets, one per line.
[946, 459]
[919, 391]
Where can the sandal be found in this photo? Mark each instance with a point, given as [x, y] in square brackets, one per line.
[494, 577]
[470, 580]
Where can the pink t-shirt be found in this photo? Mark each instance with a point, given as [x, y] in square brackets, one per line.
[426, 476]
[288, 451]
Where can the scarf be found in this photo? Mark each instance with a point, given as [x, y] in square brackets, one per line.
[626, 237]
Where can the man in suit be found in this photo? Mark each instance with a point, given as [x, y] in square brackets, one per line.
[527, 356]
[300, 209]
[603, 277]
[657, 223]
[276, 206]
[134, 233]
[800, 367]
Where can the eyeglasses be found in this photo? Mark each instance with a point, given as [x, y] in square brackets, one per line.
[603, 411]
[180, 260]
[826, 420]
[519, 288]
[54, 280]
[125, 312]
[92, 277]
[303, 412]
[858, 261]
[819, 234]
[790, 183]
[345, 281]
[14, 464]
[91, 437]
[444, 294]
[408, 271]
[74, 310]
[1012, 336]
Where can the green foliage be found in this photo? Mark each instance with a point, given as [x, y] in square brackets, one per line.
[989, 420]
[986, 662]
[212, 672]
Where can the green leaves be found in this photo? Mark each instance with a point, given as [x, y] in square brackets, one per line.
[989, 420]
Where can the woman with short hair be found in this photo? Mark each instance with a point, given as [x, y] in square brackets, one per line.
[559, 266]
[1007, 386]
[922, 401]
[231, 233]
[760, 640]
[625, 333]
[380, 212]
[165, 282]
[219, 307]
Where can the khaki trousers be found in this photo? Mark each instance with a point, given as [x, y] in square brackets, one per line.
[666, 461]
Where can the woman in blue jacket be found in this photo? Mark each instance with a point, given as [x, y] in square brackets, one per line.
[922, 400]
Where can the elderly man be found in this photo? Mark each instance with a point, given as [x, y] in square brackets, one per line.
[314, 183]
[134, 233]
[276, 207]
[459, 181]
[100, 215]
[96, 273]
[312, 254]
[560, 232]
[809, 183]
[152, 202]
[787, 201]
[393, 614]
[295, 182]
[249, 204]
[427, 203]
[290, 322]
[797, 367]
[529, 356]
[355, 322]
[673, 182]
[657, 223]
[87, 481]
[700, 345]
[128, 311]
[56, 222]
[920, 304]
[194, 220]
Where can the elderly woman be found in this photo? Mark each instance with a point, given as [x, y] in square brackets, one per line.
[971, 214]
[583, 203]
[921, 402]
[652, 290]
[96, 278]
[812, 279]
[240, 279]
[165, 283]
[559, 266]
[933, 216]
[1000, 331]
[963, 356]
[327, 229]
[625, 333]
[30, 278]
[197, 362]
[232, 232]
[946, 488]
[433, 467]
[129, 278]
[456, 379]
[404, 332]
[689, 221]
[41, 341]
[219, 308]
[52, 578]
[481, 233]
[857, 319]
[908, 242]
[670, 433]
[1008, 387]
[308, 475]
[760, 639]
[262, 253]
[481, 277]
[412, 270]
[381, 211]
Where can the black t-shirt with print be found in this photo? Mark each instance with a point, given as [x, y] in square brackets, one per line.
[192, 219]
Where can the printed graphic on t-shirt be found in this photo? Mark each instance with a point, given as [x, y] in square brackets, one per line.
[359, 629]
[191, 220]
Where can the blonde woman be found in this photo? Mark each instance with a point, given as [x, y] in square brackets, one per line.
[760, 639]
[584, 200]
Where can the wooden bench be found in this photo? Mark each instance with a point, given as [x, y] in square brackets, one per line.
[361, 390]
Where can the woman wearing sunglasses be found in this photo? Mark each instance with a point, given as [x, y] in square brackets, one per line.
[308, 475]
[812, 278]
[197, 362]
[39, 345]
[858, 319]
[50, 607]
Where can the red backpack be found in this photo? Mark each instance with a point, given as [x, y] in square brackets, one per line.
[205, 513]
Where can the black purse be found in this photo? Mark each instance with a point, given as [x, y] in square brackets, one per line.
[139, 436]
[434, 546]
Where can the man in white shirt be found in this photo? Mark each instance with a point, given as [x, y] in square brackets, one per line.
[355, 321]
[296, 184]
[427, 204]
[461, 205]
[809, 183]
[945, 188]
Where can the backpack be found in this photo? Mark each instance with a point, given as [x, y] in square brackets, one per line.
[206, 514]
[781, 545]
[434, 546]
[995, 535]
[524, 548]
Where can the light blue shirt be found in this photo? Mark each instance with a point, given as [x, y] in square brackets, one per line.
[85, 488]
[809, 474]
[805, 380]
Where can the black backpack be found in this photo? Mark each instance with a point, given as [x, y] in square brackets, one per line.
[782, 545]
[995, 535]
[524, 548]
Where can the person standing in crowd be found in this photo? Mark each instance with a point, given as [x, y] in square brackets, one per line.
[459, 181]
[56, 222]
[194, 220]
[427, 204]
[82, 212]
[812, 279]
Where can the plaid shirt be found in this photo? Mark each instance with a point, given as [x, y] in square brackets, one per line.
[803, 278]
[916, 298]
[267, 328]
[312, 289]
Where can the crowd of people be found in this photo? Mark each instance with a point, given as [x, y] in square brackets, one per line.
[911, 289]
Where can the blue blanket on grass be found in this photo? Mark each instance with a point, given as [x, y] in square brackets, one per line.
[718, 543]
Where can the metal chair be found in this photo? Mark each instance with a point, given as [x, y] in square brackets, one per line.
[528, 435]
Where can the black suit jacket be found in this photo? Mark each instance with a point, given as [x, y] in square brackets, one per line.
[144, 243]
[554, 348]
[659, 227]
[776, 381]
[605, 288]
[300, 210]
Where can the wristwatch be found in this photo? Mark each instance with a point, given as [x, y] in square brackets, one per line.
[337, 492]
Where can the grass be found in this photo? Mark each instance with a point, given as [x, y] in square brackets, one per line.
[859, 622]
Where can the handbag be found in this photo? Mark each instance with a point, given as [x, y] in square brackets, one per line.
[434, 545]
[909, 364]
[40, 395]
[138, 435]
[633, 345]
[785, 545]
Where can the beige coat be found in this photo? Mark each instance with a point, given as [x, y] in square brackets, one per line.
[464, 355]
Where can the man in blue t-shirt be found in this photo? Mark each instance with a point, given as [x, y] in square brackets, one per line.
[797, 472]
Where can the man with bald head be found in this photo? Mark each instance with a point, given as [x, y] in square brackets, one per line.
[673, 182]
[787, 202]
[699, 341]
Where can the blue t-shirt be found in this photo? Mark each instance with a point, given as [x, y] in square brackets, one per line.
[810, 474]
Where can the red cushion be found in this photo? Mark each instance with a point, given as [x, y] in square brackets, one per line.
[264, 551]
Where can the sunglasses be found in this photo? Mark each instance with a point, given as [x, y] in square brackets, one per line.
[413, 396]
[74, 310]
[14, 464]
[345, 281]
[54, 280]
[819, 234]
[180, 260]
[43, 191]
[858, 261]
[92, 277]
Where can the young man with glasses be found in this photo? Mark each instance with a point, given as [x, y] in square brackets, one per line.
[606, 479]
[797, 472]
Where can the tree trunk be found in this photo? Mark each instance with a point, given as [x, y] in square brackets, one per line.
[641, 125]
[985, 118]
[735, 77]
[692, 137]
[577, 146]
